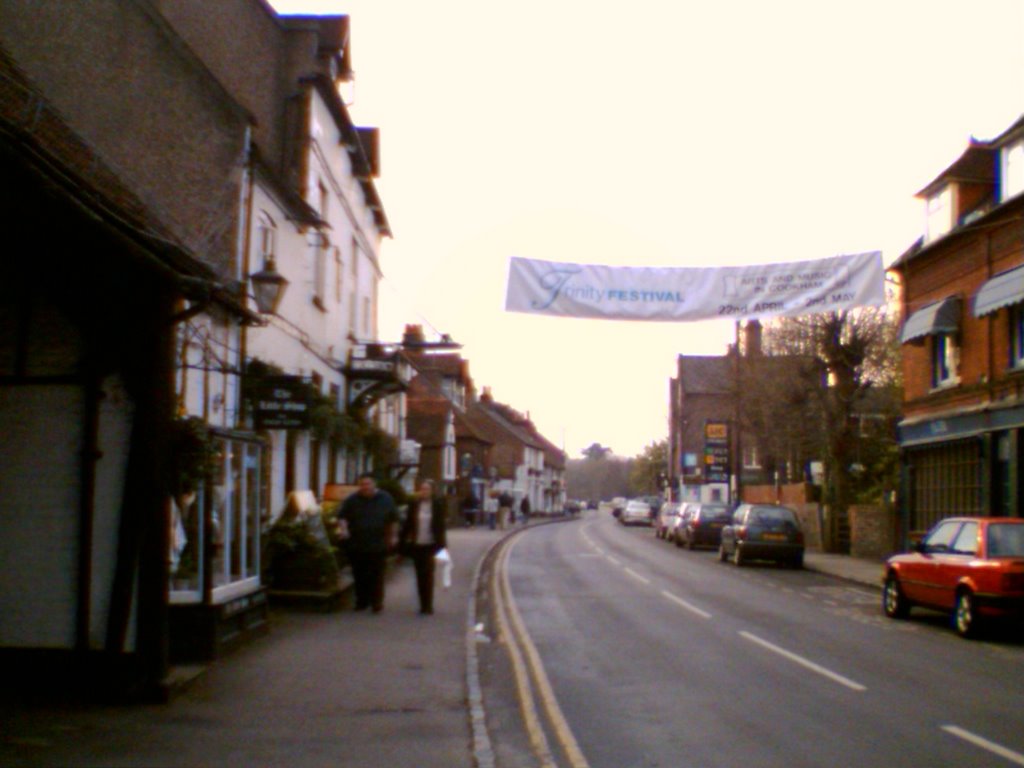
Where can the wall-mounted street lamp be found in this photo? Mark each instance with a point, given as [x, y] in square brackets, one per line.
[268, 287]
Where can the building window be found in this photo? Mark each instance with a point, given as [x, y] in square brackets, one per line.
[939, 214]
[751, 459]
[354, 293]
[1017, 336]
[1012, 170]
[266, 239]
[339, 276]
[945, 360]
[321, 246]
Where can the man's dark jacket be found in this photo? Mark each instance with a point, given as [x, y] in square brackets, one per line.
[368, 519]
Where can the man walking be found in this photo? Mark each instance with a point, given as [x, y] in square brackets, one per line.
[367, 521]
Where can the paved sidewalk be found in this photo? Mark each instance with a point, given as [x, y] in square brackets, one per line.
[866, 572]
[334, 689]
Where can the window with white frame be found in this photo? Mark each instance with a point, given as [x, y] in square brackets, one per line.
[751, 459]
[321, 246]
[1017, 336]
[354, 293]
[230, 506]
[339, 276]
[939, 219]
[1012, 170]
[266, 239]
[449, 451]
[945, 360]
[237, 501]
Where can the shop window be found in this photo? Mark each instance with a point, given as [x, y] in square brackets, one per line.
[235, 518]
[220, 525]
[188, 525]
[945, 481]
[945, 360]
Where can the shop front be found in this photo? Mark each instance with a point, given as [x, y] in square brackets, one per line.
[215, 591]
[962, 464]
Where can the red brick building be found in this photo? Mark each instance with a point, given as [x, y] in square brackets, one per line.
[963, 339]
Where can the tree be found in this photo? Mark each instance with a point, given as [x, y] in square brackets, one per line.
[598, 476]
[853, 352]
[647, 469]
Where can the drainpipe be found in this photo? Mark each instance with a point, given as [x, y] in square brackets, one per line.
[242, 259]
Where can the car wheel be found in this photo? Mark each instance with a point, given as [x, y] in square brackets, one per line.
[965, 615]
[797, 563]
[895, 605]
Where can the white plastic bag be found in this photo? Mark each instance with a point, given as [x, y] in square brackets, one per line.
[445, 561]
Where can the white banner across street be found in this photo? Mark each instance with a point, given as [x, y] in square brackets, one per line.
[695, 293]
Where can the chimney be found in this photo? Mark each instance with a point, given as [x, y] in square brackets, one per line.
[413, 336]
[486, 396]
[752, 336]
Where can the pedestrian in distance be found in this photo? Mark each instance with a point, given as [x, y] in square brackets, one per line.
[423, 535]
[491, 508]
[524, 508]
[505, 502]
[367, 523]
[470, 509]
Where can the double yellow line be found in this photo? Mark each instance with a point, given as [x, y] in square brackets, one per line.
[531, 679]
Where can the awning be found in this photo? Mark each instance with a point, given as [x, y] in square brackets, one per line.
[940, 317]
[1003, 290]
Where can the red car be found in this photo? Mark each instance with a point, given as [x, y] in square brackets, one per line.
[971, 567]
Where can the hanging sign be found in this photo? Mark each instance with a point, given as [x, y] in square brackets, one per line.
[695, 293]
[281, 402]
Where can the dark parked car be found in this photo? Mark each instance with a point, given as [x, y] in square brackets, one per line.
[970, 567]
[703, 525]
[763, 532]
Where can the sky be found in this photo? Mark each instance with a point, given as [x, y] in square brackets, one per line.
[651, 133]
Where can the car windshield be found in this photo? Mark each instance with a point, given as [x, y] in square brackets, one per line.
[1006, 540]
[771, 516]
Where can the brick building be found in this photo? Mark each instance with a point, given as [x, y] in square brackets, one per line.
[963, 339]
[712, 393]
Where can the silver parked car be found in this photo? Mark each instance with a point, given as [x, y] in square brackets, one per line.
[636, 512]
[666, 520]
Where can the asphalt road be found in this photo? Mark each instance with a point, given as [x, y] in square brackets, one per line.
[663, 657]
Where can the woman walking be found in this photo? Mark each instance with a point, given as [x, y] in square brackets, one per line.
[423, 535]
